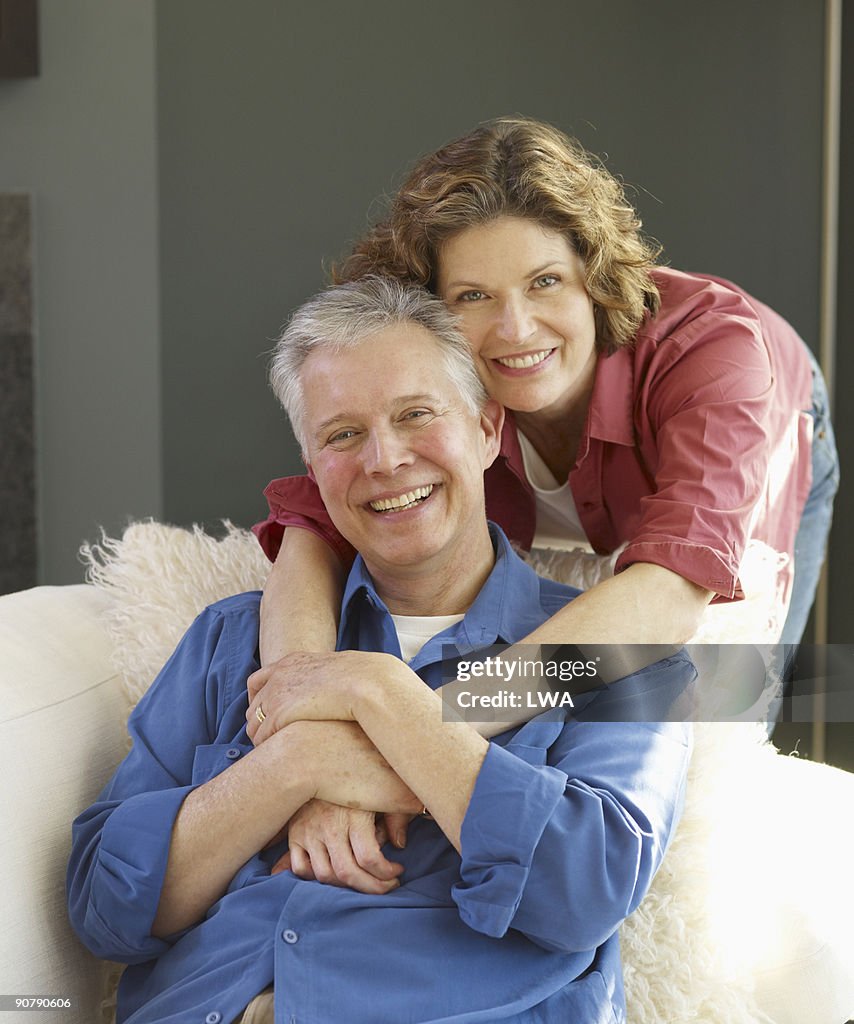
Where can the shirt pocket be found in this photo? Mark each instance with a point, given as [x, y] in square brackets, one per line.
[213, 758]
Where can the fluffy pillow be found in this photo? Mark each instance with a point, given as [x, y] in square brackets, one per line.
[160, 577]
[721, 936]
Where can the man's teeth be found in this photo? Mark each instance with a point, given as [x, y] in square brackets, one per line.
[402, 501]
[523, 362]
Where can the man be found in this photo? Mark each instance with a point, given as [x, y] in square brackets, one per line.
[538, 844]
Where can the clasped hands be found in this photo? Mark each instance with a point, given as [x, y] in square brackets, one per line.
[335, 838]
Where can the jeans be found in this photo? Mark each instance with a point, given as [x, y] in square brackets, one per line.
[810, 543]
[814, 527]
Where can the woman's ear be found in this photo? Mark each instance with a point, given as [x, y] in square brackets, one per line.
[491, 423]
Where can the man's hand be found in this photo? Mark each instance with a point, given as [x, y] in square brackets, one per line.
[341, 846]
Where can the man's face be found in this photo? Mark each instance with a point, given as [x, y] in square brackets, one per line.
[398, 457]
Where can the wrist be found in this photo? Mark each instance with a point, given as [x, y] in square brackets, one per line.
[292, 767]
[367, 681]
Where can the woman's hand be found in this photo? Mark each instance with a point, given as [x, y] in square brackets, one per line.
[342, 846]
[309, 686]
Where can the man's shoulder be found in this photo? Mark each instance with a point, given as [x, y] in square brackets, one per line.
[234, 607]
[554, 595]
[525, 580]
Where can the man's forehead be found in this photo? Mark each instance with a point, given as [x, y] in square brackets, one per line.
[378, 373]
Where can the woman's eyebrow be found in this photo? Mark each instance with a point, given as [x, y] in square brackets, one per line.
[556, 262]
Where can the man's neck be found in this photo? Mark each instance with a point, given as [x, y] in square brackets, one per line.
[448, 587]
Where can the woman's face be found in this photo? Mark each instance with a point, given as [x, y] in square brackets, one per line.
[518, 289]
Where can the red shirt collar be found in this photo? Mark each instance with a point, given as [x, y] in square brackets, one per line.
[610, 417]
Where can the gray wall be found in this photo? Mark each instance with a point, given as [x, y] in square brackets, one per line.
[82, 138]
[193, 168]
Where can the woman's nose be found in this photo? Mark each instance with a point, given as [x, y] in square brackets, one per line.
[515, 321]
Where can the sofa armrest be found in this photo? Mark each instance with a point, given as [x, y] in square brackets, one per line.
[62, 715]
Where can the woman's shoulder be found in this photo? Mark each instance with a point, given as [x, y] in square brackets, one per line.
[691, 301]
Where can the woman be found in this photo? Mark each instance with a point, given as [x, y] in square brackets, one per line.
[667, 414]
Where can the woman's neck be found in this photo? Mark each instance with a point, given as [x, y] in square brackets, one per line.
[556, 432]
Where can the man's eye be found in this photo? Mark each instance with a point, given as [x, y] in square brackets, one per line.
[546, 280]
[414, 415]
[342, 435]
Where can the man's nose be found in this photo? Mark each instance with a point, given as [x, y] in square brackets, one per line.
[515, 321]
[385, 451]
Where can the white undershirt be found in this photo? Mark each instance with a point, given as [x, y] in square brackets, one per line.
[558, 523]
[413, 631]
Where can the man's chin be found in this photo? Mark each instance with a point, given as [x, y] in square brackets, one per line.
[403, 555]
[405, 552]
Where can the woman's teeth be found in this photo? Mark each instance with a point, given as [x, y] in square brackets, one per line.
[523, 362]
[402, 501]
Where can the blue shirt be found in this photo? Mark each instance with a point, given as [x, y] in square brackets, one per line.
[567, 824]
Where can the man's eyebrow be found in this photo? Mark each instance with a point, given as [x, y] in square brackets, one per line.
[343, 417]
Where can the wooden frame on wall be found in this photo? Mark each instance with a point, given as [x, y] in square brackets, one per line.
[19, 38]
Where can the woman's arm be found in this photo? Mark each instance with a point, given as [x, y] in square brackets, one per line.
[645, 604]
[302, 597]
[623, 623]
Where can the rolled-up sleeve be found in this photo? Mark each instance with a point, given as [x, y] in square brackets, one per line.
[709, 396]
[296, 501]
[120, 845]
[564, 851]
[117, 871]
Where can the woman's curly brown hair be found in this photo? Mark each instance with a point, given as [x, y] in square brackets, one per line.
[519, 167]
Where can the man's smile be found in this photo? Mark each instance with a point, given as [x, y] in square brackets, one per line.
[404, 501]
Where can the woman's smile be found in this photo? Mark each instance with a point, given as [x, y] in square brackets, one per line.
[521, 364]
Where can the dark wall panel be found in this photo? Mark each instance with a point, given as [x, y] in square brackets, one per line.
[280, 125]
[17, 458]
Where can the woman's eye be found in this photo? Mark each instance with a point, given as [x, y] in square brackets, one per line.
[546, 281]
[471, 296]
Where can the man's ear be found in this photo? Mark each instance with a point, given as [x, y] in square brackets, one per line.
[491, 423]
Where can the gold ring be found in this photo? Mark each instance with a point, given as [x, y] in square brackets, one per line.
[259, 714]
[424, 813]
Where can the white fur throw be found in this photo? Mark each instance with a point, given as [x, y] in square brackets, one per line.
[723, 932]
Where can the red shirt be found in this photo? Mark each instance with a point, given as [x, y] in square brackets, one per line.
[697, 440]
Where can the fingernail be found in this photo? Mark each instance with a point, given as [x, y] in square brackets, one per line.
[400, 838]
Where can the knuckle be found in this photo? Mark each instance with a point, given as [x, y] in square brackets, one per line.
[371, 860]
[348, 876]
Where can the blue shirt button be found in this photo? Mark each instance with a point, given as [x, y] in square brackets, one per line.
[290, 936]
[213, 1018]
[232, 753]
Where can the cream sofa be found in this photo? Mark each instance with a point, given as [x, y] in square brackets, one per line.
[749, 920]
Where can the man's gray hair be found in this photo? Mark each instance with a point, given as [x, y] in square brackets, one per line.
[346, 315]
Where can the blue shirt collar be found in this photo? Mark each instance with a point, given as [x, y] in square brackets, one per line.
[507, 608]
